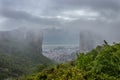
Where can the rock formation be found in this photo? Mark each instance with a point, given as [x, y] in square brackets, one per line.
[19, 40]
[89, 40]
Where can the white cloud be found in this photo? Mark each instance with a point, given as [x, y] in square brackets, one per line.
[65, 18]
[59, 17]
[84, 14]
[2, 19]
[93, 19]
[81, 13]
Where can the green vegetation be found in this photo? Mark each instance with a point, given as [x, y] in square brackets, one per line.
[18, 59]
[21, 64]
[102, 63]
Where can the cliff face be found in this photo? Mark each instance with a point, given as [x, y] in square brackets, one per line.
[89, 40]
[18, 39]
[20, 52]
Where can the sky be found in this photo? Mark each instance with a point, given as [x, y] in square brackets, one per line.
[101, 17]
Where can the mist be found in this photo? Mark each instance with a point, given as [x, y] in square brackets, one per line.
[62, 21]
[37, 35]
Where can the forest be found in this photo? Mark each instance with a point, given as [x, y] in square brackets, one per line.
[101, 63]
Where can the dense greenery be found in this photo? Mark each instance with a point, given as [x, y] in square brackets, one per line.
[17, 59]
[9, 67]
[102, 63]
[21, 64]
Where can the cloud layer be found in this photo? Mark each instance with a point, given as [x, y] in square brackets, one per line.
[100, 16]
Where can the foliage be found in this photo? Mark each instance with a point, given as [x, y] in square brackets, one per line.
[60, 72]
[102, 63]
[21, 64]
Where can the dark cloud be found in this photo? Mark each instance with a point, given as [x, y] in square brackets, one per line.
[24, 16]
[107, 8]
[95, 4]
[72, 15]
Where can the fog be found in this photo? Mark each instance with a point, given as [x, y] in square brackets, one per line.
[61, 21]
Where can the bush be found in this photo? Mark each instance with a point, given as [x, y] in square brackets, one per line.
[102, 62]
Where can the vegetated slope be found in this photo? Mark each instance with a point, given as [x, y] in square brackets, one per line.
[15, 65]
[20, 55]
[102, 63]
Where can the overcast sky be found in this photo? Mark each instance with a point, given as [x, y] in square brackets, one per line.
[100, 16]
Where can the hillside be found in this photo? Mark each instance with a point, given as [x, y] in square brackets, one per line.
[102, 63]
[19, 55]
